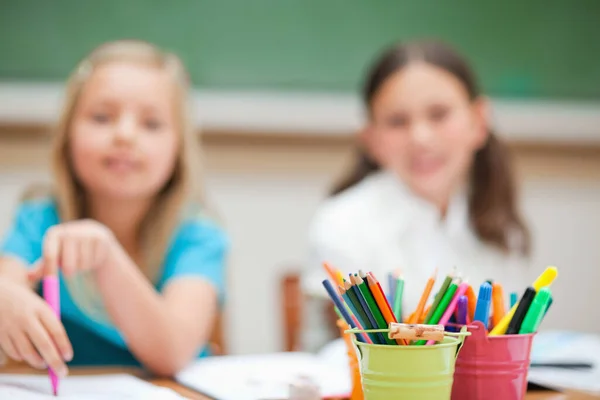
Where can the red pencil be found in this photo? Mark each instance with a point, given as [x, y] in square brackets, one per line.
[382, 303]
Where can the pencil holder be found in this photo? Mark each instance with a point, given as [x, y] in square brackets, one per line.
[492, 367]
[408, 372]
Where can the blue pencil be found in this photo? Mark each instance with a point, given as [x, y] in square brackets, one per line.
[392, 283]
[361, 317]
[339, 303]
[377, 338]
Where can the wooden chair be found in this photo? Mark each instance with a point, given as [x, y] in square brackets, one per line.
[292, 309]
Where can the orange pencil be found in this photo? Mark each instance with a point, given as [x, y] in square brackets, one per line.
[339, 276]
[381, 301]
[471, 303]
[379, 296]
[424, 314]
[334, 275]
[430, 282]
[498, 307]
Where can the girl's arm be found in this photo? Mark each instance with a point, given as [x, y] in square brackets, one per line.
[14, 270]
[164, 331]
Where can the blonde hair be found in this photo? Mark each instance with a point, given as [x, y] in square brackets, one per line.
[182, 188]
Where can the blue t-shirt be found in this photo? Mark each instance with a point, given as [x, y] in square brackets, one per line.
[197, 249]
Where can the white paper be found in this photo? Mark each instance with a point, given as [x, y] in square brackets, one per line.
[263, 377]
[565, 346]
[94, 387]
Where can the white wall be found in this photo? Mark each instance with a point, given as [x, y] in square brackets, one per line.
[266, 195]
[565, 223]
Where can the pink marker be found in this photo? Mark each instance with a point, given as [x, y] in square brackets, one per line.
[462, 289]
[52, 297]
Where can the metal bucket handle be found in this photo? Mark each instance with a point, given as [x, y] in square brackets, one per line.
[461, 335]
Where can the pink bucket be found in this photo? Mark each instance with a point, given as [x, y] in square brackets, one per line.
[492, 367]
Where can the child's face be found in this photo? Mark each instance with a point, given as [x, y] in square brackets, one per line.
[425, 128]
[124, 139]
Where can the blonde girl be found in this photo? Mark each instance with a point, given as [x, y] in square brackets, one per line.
[141, 267]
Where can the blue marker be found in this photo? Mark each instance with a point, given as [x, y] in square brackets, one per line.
[482, 310]
[514, 297]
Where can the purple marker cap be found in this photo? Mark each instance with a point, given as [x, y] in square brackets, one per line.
[462, 310]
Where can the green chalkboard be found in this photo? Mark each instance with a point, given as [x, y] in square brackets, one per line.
[525, 49]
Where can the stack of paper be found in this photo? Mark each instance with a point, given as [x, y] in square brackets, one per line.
[566, 347]
[96, 387]
[264, 376]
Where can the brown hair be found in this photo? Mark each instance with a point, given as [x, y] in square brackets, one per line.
[492, 194]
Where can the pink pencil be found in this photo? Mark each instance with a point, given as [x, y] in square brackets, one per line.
[52, 297]
[462, 288]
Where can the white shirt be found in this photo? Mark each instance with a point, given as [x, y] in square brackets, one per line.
[379, 225]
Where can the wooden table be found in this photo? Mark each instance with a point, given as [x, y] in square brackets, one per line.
[193, 395]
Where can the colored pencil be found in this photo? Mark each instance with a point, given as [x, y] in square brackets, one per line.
[335, 276]
[364, 317]
[438, 297]
[377, 337]
[381, 301]
[392, 283]
[424, 314]
[462, 288]
[398, 298]
[437, 314]
[424, 298]
[360, 318]
[337, 300]
[352, 295]
[372, 304]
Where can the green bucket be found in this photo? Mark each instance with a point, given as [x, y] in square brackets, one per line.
[408, 372]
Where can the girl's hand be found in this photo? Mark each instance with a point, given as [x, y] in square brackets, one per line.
[30, 331]
[76, 246]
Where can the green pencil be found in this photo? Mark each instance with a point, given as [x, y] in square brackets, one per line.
[438, 297]
[365, 307]
[357, 309]
[439, 311]
[398, 299]
[366, 292]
